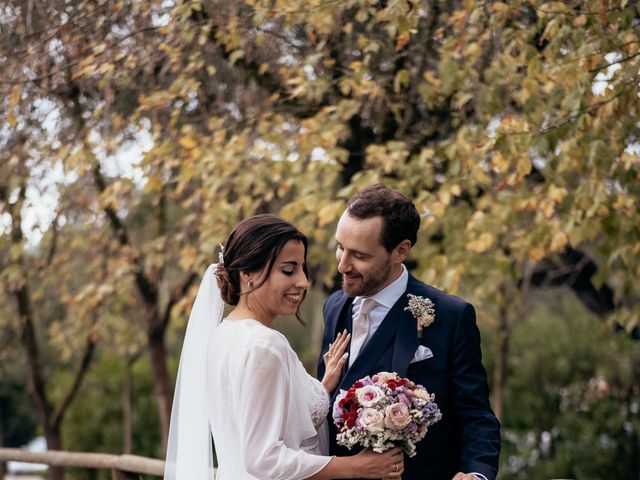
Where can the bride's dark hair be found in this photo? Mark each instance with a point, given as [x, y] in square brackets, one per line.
[252, 245]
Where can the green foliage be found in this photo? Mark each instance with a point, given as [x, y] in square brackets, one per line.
[573, 397]
[96, 418]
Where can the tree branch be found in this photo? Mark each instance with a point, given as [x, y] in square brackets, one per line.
[622, 60]
[575, 270]
[25, 313]
[147, 288]
[75, 63]
[81, 371]
[178, 293]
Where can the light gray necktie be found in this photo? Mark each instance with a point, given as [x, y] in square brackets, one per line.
[360, 327]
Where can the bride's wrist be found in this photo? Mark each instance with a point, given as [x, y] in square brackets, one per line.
[325, 384]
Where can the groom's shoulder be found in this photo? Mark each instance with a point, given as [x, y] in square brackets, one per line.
[334, 299]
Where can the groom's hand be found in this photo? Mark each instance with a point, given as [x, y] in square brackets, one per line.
[465, 476]
[334, 361]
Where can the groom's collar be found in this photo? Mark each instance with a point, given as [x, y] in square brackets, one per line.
[390, 294]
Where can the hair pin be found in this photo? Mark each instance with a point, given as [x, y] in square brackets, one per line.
[221, 254]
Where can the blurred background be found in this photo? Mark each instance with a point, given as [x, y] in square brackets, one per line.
[135, 134]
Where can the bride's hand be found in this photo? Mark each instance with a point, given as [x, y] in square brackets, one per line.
[334, 360]
[389, 464]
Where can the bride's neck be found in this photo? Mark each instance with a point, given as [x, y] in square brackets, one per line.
[242, 311]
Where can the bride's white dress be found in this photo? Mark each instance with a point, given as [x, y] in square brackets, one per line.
[268, 416]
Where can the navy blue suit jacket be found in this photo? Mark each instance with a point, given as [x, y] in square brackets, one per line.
[467, 438]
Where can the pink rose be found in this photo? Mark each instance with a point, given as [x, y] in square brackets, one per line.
[397, 416]
[369, 395]
[372, 420]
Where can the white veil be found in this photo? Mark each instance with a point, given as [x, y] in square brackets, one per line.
[189, 451]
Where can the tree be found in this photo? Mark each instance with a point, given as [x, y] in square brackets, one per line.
[573, 395]
[45, 287]
[513, 126]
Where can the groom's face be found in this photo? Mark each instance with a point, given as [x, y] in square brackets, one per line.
[366, 266]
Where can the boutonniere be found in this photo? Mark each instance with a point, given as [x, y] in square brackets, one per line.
[423, 311]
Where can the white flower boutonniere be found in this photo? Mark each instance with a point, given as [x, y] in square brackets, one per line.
[423, 311]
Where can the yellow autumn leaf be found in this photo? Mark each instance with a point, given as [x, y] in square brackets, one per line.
[499, 162]
[329, 213]
[14, 99]
[472, 50]
[499, 7]
[580, 21]
[524, 166]
[482, 244]
[559, 242]
[557, 194]
[432, 79]
[445, 197]
[187, 141]
[547, 208]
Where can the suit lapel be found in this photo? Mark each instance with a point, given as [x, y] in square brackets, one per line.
[343, 303]
[376, 346]
[406, 341]
[397, 331]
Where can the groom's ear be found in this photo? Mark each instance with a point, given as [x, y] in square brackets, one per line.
[401, 251]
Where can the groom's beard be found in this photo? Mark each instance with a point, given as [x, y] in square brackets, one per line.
[371, 283]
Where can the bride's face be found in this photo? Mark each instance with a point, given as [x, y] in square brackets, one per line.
[283, 291]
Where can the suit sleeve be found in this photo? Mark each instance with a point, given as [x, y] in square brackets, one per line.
[479, 436]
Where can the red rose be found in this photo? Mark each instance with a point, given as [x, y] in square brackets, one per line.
[350, 420]
[358, 384]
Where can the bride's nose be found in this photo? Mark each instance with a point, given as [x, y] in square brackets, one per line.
[302, 281]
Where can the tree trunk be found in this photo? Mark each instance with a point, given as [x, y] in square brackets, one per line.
[54, 442]
[162, 384]
[500, 368]
[127, 417]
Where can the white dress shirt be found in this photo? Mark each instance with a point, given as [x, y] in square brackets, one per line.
[385, 299]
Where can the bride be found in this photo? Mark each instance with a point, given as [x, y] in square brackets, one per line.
[240, 381]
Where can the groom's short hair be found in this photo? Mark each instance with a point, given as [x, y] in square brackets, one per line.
[400, 218]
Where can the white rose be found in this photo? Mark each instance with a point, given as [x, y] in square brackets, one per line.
[372, 420]
[384, 376]
[420, 393]
[397, 416]
[369, 395]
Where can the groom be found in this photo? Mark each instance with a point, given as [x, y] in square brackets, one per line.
[374, 236]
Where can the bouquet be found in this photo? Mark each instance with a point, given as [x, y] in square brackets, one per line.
[384, 411]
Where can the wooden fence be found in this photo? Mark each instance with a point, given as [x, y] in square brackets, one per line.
[123, 467]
